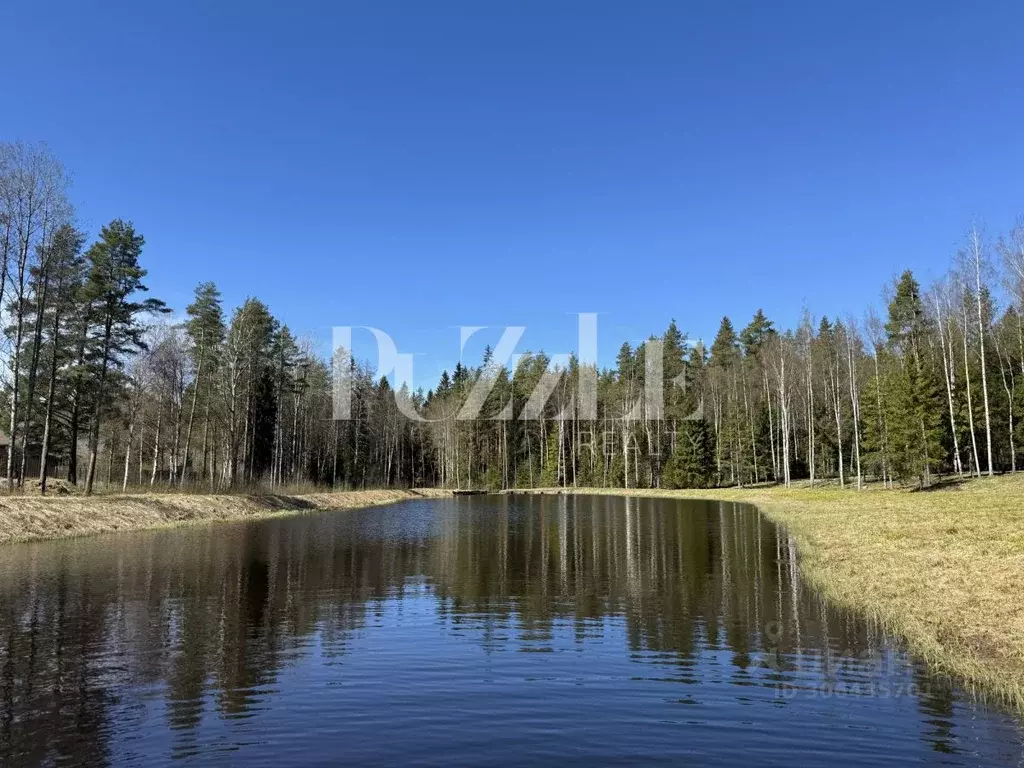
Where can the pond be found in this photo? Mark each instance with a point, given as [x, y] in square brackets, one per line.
[476, 630]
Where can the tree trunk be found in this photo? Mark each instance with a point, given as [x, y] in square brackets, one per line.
[37, 343]
[50, 390]
[156, 448]
[128, 454]
[192, 410]
[94, 437]
[970, 403]
[958, 466]
[981, 345]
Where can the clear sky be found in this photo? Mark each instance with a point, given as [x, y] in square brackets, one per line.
[422, 165]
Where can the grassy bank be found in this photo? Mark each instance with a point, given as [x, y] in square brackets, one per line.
[943, 568]
[26, 518]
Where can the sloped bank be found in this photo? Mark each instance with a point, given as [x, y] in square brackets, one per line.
[944, 568]
[28, 518]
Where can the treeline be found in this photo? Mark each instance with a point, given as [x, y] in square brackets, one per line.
[929, 388]
[101, 391]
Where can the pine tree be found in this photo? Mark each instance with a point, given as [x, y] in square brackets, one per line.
[68, 274]
[114, 278]
[205, 328]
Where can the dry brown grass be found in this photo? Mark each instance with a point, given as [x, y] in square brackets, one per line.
[24, 518]
[942, 568]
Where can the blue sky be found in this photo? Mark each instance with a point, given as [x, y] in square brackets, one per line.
[420, 166]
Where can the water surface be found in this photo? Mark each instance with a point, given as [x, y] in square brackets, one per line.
[477, 630]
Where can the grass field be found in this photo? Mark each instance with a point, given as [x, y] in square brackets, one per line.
[943, 568]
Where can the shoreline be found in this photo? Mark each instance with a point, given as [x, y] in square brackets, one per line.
[941, 569]
[40, 518]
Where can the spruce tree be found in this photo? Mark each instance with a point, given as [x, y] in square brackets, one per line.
[873, 440]
[915, 403]
[692, 463]
[756, 333]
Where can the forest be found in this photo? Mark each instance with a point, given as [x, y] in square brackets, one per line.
[104, 391]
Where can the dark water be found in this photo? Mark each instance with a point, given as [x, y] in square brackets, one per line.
[473, 631]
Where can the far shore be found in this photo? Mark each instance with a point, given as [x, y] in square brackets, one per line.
[31, 518]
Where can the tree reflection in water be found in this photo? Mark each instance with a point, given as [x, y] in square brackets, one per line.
[95, 633]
